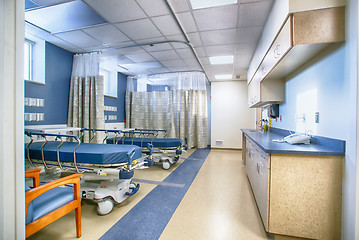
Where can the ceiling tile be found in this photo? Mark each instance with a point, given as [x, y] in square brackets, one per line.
[187, 22]
[179, 45]
[173, 63]
[158, 47]
[219, 37]
[216, 18]
[167, 25]
[49, 2]
[140, 57]
[204, 60]
[245, 49]
[123, 60]
[219, 69]
[178, 69]
[254, 14]
[154, 7]
[130, 50]
[200, 52]
[139, 29]
[120, 44]
[242, 61]
[158, 70]
[194, 39]
[176, 38]
[185, 53]
[249, 34]
[151, 40]
[179, 5]
[191, 62]
[251, 1]
[94, 48]
[62, 44]
[106, 34]
[64, 17]
[117, 10]
[220, 50]
[165, 55]
[78, 38]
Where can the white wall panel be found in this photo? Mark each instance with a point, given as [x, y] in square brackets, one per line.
[230, 113]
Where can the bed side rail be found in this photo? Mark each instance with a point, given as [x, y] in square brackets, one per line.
[157, 131]
[106, 131]
[139, 134]
[58, 136]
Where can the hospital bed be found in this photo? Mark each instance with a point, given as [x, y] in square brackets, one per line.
[107, 170]
[116, 134]
[163, 150]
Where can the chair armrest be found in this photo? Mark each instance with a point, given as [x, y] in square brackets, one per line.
[35, 192]
[35, 175]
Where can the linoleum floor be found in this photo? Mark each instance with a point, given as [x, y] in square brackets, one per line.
[218, 205]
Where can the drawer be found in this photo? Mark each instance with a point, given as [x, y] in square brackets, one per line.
[257, 172]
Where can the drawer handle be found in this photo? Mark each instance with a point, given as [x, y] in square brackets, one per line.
[260, 168]
[277, 52]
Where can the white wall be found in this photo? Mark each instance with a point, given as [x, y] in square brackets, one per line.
[230, 113]
[12, 192]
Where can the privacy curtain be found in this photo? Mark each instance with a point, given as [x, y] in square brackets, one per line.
[176, 102]
[86, 101]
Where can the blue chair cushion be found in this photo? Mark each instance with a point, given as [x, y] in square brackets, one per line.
[48, 202]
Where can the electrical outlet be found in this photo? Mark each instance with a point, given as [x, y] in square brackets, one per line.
[317, 117]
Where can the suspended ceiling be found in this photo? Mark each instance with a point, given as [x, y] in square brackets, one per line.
[144, 37]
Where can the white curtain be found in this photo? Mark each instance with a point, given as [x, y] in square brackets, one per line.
[86, 101]
[176, 102]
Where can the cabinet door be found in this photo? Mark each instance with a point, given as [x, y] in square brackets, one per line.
[261, 192]
[279, 48]
[257, 172]
[254, 91]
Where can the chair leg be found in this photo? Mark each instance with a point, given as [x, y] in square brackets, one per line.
[78, 221]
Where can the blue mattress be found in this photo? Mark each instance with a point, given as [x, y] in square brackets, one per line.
[157, 142]
[86, 153]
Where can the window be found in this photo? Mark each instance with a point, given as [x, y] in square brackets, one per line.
[28, 58]
[110, 82]
[34, 59]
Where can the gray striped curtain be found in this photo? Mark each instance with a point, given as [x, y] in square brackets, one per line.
[86, 105]
[183, 113]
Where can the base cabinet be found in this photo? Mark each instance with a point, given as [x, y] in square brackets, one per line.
[296, 195]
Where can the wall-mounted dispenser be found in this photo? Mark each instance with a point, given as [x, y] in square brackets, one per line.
[273, 111]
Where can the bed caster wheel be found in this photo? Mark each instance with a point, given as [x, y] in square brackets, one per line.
[166, 165]
[105, 207]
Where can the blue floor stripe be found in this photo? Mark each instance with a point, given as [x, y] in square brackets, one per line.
[148, 219]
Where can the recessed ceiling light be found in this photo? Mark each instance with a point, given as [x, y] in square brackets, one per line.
[223, 76]
[198, 4]
[221, 60]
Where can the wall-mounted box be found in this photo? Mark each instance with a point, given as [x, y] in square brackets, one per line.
[34, 117]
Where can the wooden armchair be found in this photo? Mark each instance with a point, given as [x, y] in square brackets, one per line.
[46, 203]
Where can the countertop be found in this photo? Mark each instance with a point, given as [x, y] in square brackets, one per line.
[318, 146]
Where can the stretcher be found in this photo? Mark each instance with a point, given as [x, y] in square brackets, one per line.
[161, 149]
[107, 170]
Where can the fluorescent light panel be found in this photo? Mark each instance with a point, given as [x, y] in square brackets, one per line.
[223, 76]
[221, 60]
[198, 4]
[64, 17]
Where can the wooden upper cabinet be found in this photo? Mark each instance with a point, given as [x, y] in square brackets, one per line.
[319, 26]
[302, 36]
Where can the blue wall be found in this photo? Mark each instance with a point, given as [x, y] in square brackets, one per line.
[56, 89]
[333, 75]
[118, 102]
[322, 82]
